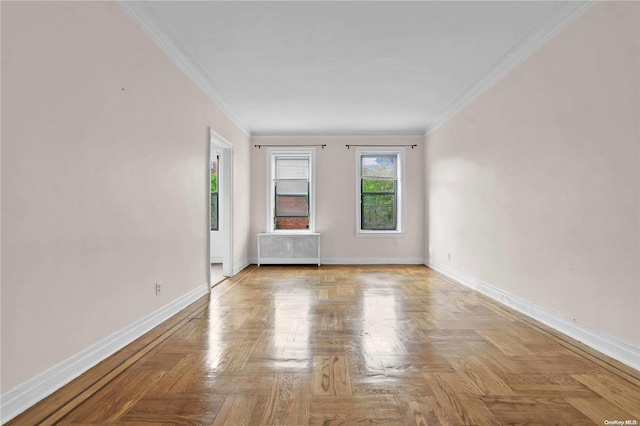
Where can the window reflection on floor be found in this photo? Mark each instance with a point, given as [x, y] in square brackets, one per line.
[217, 342]
[380, 321]
[291, 324]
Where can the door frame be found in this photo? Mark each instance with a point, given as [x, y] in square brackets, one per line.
[225, 201]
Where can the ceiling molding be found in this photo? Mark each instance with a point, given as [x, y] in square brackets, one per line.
[537, 35]
[145, 15]
[354, 135]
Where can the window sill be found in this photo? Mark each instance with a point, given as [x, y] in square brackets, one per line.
[290, 232]
[380, 234]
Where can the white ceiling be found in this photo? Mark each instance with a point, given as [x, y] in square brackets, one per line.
[348, 67]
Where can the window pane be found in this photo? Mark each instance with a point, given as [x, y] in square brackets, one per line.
[292, 205]
[378, 212]
[292, 223]
[214, 174]
[292, 168]
[214, 211]
[297, 187]
[378, 185]
[291, 190]
[379, 165]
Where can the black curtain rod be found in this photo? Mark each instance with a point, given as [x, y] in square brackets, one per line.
[381, 146]
[260, 146]
[324, 145]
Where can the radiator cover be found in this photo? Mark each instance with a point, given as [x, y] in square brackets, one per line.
[289, 248]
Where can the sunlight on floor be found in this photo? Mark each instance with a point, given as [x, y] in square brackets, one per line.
[216, 273]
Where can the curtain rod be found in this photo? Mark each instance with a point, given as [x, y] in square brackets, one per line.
[381, 146]
[324, 145]
[282, 146]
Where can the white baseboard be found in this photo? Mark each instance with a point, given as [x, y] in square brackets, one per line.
[365, 260]
[241, 265]
[21, 397]
[598, 340]
[373, 260]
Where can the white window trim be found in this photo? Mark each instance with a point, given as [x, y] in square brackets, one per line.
[374, 150]
[293, 152]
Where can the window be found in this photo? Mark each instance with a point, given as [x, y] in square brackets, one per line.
[292, 190]
[214, 192]
[380, 190]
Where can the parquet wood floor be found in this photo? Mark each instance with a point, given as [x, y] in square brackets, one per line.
[340, 345]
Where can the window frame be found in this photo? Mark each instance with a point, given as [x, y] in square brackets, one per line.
[399, 152]
[293, 152]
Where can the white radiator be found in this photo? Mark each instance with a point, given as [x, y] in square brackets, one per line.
[288, 248]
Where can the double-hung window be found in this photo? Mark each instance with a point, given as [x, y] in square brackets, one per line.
[291, 182]
[380, 191]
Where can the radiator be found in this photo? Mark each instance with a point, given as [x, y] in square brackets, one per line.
[289, 248]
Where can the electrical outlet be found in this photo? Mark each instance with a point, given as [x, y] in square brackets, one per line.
[158, 288]
[449, 256]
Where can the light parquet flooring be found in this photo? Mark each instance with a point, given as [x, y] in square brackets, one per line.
[342, 345]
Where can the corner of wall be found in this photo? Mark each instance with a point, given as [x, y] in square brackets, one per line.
[26, 394]
[603, 342]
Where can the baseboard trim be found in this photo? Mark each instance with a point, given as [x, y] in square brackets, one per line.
[241, 265]
[596, 339]
[365, 260]
[21, 397]
[373, 260]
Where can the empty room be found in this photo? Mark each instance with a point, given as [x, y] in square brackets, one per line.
[320, 212]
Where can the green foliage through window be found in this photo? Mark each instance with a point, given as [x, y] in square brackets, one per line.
[214, 211]
[214, 193]
[378, 211]
[214, 183]
[378, 185]
[379, 192]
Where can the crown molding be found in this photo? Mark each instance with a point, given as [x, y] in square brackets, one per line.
[348, 135]
[538, 34]
[145, 15]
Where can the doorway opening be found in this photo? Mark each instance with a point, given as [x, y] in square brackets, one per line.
[220, 217]
[216, 242]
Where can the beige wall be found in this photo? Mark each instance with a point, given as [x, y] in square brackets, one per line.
[336, 201]
[534, 186]
[104, 180]
[243, 204]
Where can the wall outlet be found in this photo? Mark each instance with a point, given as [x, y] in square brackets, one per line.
[449, 256]
[158, 288]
